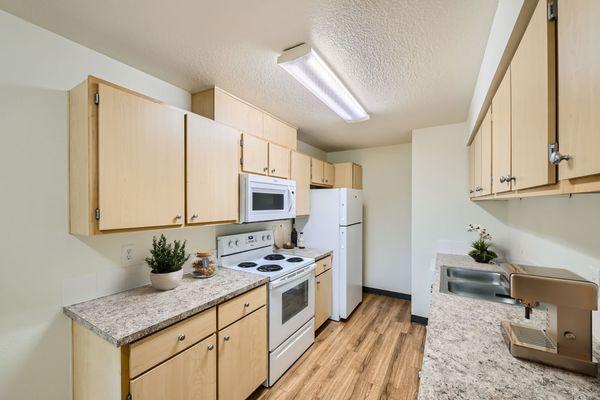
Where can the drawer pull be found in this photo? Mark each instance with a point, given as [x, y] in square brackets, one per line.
[246, 304]
[226, 338]
[318, 282]
[181, 337]
[211, 346]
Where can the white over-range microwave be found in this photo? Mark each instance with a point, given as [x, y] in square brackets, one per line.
[263, 198]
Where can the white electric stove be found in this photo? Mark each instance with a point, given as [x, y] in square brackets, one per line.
[291, 293]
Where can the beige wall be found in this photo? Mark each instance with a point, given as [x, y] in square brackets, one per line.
[557, 231]
[41, 265]
[386, 191]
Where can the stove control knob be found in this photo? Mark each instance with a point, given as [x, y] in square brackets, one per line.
[230, 244]
[237, 242]
[263, 238]
[268, 237]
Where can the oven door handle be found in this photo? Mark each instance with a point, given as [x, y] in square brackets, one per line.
[293, 277]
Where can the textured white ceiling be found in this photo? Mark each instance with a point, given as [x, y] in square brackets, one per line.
[411, 63]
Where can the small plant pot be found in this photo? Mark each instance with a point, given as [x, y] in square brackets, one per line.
[166, 281]
[482, 259]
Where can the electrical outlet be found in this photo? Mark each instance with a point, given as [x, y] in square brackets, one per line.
[127, 255]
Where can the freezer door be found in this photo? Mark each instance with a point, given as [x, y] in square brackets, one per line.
[350, 269]
[351, 206]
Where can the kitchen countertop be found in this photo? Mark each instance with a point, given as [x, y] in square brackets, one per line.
[308, 252]
[125, 317]
[465, 355]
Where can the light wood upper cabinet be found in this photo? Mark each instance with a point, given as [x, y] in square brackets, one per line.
[501, 137]
[300, 172]
[212, 165]
[227, 109]
[486, 154]
[279, 132]
[322, 298]
[328, 174]
[243, 354]
[533, 106]
[476, 145]
[348, 175]
[578, 87]
[140, 157]
[317, 170]
[255, 155]
[189, 375]
[279, 161]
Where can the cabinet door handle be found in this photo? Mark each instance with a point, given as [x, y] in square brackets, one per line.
[178, 217]
[246, 304]
[211, 346]
[181, 337]
[273, 170]
[265, 169]
[194, 216]
[318, 282]
[226, 338]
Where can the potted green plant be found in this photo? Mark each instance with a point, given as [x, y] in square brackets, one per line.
[166, 261]
[481, 247]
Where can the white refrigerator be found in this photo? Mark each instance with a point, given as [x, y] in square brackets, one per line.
[335, 222]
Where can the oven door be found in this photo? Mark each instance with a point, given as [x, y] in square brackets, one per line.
[291, 304]
[267, 201]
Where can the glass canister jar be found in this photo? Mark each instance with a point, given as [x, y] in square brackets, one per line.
[204, 265]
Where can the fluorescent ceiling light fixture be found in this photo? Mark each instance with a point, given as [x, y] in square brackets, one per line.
[305, 64]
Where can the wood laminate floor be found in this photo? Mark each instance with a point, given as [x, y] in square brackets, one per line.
[375, 354]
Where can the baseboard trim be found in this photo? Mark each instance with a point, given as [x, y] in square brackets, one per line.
[419, 320]
[387, 293]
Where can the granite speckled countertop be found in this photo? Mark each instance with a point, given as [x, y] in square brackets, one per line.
[317, 254]
[465, 355]
[125, 317]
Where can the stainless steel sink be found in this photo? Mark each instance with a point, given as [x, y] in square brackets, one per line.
[485, 285]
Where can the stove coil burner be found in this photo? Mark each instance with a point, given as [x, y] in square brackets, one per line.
[274, 257]
[294, 259]
[270, 268]
[247, 265]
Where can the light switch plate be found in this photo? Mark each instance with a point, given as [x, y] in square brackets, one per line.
[128, 255]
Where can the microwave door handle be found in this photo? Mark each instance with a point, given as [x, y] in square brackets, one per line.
[290, 197]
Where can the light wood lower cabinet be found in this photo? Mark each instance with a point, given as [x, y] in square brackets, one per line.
[189, 375]
[279, 161]
[578, 33]
[322, 298]
[255, 154]
[243, 353]
[189, 360]
[212, 170]
[300, 172]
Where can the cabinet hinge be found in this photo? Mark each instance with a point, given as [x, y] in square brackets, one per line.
[96, 98]
[552, 13]
[97, 213]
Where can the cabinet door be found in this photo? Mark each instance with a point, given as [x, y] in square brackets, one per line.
[316, 171]
[477, 164]
[300, 172]
[279, 132]
[322, 298]
[243, 356]
[533, 106]
[501, 133]
[357, 176]
[255, 155]
[279, 161]
[472, 192]
[486, 154]
[237, 114]
[328, 174]
[212, 162]
[140, 161]
[578, 77]
[190, 375]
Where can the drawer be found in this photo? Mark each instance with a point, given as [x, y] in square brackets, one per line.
[242, 305]
[323, 265]
[154, 349]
